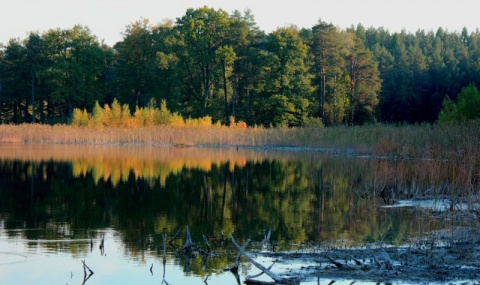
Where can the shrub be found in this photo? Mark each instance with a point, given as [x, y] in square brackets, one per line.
[238, 125]
[120, 116]
[97, 115]
[313, 122]
[116, 114]
[466, 108]
[80, 117]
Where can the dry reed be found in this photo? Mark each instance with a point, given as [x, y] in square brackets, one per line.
[454, 142]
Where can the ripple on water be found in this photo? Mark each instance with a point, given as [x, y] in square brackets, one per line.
[11, 258]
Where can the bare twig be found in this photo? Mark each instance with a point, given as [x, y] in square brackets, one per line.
[174, 236]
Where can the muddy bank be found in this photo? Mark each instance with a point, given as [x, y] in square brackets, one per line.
[439, 258]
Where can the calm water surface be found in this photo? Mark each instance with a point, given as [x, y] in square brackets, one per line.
[57, 203]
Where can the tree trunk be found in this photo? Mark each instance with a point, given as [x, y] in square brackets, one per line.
[225, 92]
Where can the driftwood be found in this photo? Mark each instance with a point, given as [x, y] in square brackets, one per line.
[388, 261]
[336, 263]
[261, 273]
[277, 278]
[376, 264]
[234, 267]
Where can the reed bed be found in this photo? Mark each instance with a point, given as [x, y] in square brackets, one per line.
[460, 141]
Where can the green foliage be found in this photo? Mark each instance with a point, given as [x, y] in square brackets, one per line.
[313, 122]
[466, 108]
[449, 111]
[211, 63]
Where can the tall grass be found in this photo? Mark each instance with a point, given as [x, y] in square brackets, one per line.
[458, 142]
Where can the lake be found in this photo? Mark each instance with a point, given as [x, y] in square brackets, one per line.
[59, 202]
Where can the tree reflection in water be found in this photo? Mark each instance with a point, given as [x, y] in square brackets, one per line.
[306, 198]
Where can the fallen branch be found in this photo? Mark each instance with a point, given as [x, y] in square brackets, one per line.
[388, 261]
[336, 263]
[234, 267]
[261, 273]
[274, 276]
[357, 262]
[375, 259]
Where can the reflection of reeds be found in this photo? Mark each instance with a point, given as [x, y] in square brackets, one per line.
[447, 155]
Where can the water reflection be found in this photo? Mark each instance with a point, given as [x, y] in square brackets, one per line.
[62, 199]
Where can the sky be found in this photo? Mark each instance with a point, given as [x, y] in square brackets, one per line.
[107, 19]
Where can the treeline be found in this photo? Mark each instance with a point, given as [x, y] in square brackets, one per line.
[220, 65]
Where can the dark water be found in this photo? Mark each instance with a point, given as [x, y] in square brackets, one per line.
[58, 202]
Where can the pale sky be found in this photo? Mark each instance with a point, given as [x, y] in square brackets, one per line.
[107, 19]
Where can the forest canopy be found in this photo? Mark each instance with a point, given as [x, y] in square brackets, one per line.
[211, 63]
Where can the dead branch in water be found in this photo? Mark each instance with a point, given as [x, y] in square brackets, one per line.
[234, 267]
[261, 273]
[337, 264]
[102, 246]
[188, 242]
[278, 279]
[174, 236]
[164, 249]
[85, 276]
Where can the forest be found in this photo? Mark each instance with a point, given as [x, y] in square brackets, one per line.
[212, 63]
